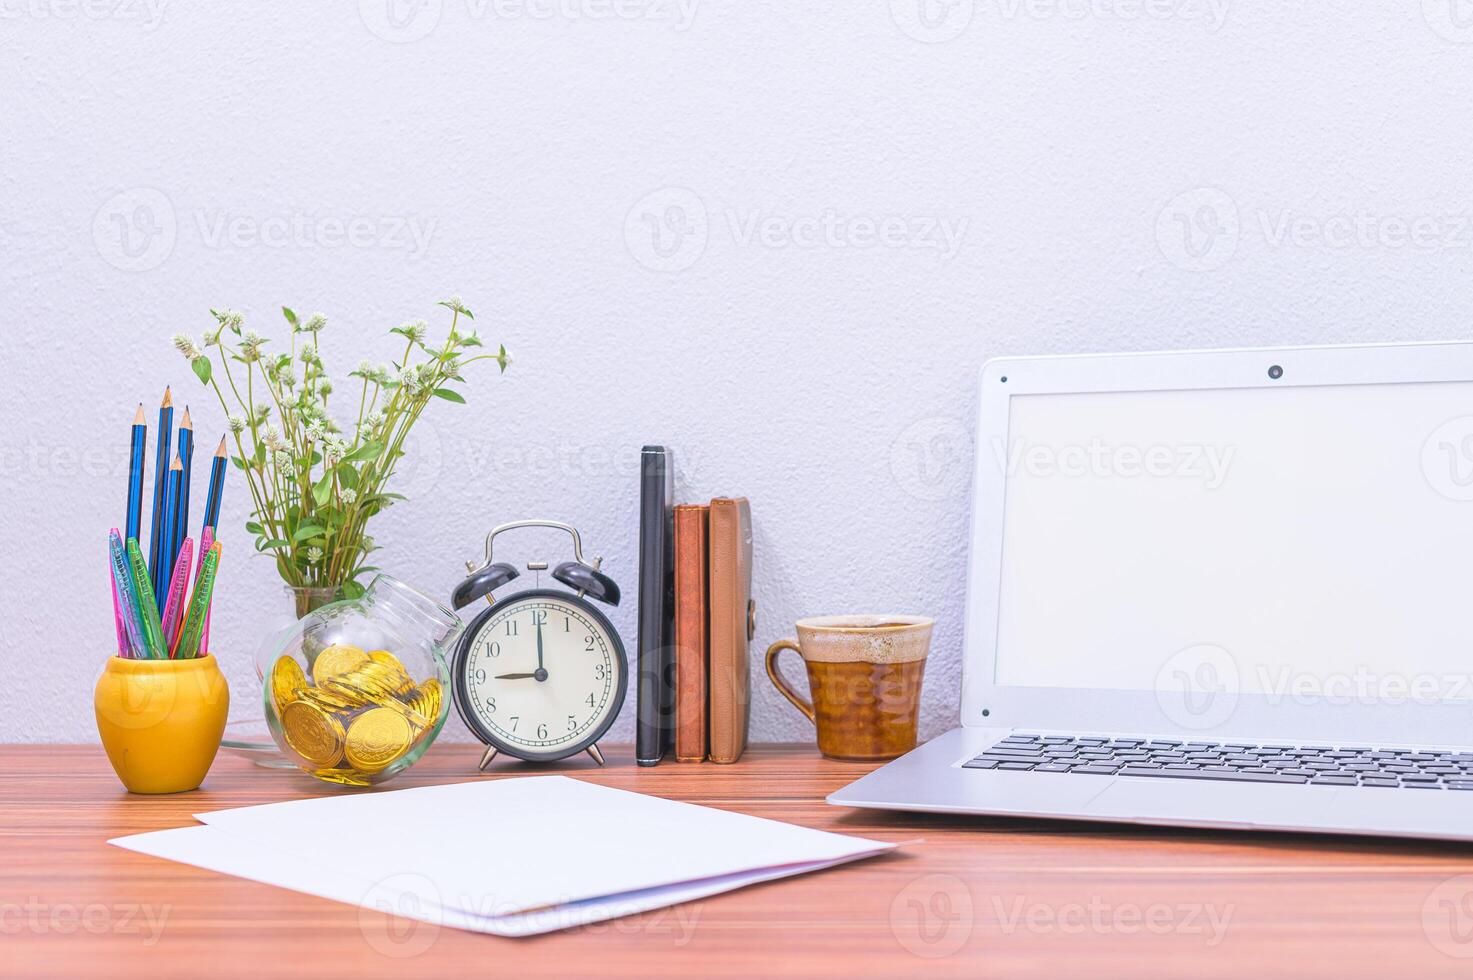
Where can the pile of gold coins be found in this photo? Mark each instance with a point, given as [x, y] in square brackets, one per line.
[359, 714]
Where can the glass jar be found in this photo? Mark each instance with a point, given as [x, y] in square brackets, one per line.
[356, 691]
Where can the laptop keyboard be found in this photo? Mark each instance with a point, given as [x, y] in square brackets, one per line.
[1242, 762]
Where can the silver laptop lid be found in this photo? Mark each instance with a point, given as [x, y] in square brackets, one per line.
[1269, 543]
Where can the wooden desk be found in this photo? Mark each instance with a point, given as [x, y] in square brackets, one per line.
[1000, 897]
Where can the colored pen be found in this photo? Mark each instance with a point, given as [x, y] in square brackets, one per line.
[125, 648]
[153, 631]
[188, 645]
[207, 541]
[128, 597]
[178, 586]
[136, 461]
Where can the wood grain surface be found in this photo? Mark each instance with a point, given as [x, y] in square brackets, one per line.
[971, 897]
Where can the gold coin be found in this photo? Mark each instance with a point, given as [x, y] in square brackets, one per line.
[315, 735]
[376, 738]
[329, 700]
[286, 680]
[427, 702]
[335, 660]
[387, 668]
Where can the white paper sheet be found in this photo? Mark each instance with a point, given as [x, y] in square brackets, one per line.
[510, 857]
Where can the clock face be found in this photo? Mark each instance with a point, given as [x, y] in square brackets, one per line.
[540, 675]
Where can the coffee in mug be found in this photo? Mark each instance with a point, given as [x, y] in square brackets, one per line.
[864, 673]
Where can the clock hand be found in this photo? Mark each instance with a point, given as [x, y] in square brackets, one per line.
[540, 669]
[515, 677]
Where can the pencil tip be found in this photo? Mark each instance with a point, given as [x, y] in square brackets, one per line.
[222, 452]
[139, 418]
[168, 398]
[178, 464]
[187, 423]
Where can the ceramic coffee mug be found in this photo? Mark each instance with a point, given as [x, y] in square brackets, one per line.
[864, 672]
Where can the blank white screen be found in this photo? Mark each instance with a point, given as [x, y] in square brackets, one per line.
[1317, 534]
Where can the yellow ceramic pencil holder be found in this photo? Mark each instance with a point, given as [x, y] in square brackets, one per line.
[161, 720]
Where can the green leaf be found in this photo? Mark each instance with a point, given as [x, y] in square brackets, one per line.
[369, 450]
[274, 543]
[323, 489]
[240, 464]
[290, 318]
[308, 532]
[202, 369]
[449, 396]
[255, 529]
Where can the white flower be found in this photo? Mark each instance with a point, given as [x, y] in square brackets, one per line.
[229, 319]
[416, 330]
[334, 448]
[452, 365]
[350, 496]
[314, 555]
[186, 346]
[383, 374]
[273, 439]
[308, 354]
[236, 424]
[409, 378]
[284, 460]
[315, 429]
[324, 387]
[250, 346]
[454, 303]
[315, 322]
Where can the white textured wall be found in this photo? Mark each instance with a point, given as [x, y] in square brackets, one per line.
[873, 198]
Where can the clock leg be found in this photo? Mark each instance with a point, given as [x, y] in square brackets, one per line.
[486, 759]
[597, 755]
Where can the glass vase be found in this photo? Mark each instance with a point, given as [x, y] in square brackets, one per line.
[356, 691]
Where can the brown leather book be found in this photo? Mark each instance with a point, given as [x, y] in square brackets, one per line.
[733, 623]
[691, 630]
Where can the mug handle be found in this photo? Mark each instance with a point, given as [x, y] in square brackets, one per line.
[783, 687]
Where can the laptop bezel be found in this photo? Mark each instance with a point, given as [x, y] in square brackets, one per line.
[984, 703]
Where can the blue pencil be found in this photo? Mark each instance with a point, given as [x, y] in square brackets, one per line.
[217, 489]
[136, 459]
[159, 532]
[181, 517]
[172, 490]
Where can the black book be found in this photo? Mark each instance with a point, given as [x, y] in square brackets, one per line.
[655, 734]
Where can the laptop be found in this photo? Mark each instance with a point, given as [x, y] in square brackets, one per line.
[1226, 589]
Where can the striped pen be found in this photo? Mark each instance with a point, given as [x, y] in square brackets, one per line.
[187, 647]
[178, 586]
[127, 597]
[206, 542]
[153, 630]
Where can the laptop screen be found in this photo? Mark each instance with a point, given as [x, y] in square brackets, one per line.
[1313, 541]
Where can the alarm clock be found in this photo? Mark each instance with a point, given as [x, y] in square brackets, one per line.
[541, 674]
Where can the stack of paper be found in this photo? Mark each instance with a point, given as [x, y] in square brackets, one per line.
[513, 857]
